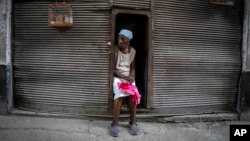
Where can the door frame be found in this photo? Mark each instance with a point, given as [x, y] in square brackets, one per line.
[150, 54]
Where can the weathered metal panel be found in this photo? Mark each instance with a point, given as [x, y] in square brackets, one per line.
[197, 54]
[61, 67]
[145, 4]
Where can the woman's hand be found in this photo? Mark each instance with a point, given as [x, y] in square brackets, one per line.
[129, 78]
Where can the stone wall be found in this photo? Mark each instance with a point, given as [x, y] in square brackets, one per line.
[3, 92]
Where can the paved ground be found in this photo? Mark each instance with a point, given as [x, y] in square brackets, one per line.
[37, 128]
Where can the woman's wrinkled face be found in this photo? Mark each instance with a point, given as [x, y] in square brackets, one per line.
[123, 42]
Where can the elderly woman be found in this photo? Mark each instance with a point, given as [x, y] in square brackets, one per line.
[124, 71]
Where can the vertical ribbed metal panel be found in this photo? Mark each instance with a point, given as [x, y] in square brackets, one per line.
[61, 67]
[145, 4]
[197, 54]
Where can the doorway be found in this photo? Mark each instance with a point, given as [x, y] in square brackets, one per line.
[138, 23]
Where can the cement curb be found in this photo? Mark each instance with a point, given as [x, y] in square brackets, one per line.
[144, 118]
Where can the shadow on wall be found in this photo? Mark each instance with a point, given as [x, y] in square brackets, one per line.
[3, 93]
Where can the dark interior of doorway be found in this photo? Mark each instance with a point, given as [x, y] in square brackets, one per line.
[138, 24]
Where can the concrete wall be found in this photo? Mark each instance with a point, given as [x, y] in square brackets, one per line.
[3, 92]
[244, 96]
[2, 32]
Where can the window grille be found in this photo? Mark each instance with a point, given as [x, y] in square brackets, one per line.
[60, 14]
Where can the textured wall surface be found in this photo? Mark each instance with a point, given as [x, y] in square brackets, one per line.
[2, 31]
[244, 97]
[3, 94]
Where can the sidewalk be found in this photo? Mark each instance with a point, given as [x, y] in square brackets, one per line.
[37, 128]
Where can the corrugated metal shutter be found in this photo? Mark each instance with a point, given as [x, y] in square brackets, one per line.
[61, 67]
[197, 54]
[145, 4]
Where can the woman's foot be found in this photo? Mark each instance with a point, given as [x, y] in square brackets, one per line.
[133, 129]
[114, 130]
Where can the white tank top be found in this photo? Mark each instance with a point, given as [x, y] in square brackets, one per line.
[124, 61]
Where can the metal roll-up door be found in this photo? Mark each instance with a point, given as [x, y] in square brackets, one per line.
[144, 4]
[197, 55]
[59, 69]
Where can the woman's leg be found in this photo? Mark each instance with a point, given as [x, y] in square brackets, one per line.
[134, 129]
[117, 109]
[132, 110]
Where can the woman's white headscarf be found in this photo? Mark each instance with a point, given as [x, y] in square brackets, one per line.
[127, 33]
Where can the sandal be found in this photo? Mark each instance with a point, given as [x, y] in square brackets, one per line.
[134, 129]
[114, 131]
